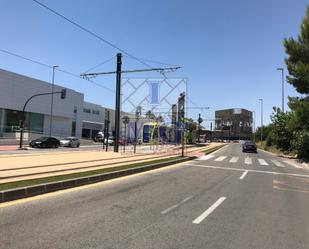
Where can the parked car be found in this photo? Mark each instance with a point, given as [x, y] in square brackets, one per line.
[70, 142]
[45, 142]
[99, 137]
[111, 140]
[249, 146]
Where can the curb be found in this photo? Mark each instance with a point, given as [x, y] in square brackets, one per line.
[24, 192]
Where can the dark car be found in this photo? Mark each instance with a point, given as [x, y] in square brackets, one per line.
[45, 142]
[249, 146]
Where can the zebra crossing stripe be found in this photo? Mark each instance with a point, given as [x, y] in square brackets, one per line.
[220, 158]
[278, 164]
[248, 160]
[206, 157]
[262, 162]
[234, 159]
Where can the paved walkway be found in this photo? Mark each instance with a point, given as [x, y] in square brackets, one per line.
[30, 166]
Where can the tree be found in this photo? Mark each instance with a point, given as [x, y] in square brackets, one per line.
[298, 58]
[149, 114]
[282, 129]
[297, 62]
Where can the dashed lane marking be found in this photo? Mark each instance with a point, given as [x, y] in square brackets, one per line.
[204, 215]
[243, 175]
[176, 205]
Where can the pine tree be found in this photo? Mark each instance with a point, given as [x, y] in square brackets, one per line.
[297, 62]
[298, 58]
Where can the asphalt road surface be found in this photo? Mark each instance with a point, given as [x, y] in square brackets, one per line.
[228, 200]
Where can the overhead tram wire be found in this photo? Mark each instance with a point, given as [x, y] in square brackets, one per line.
[60, 70]
[92, 33]
[100, 64]
[98, 37]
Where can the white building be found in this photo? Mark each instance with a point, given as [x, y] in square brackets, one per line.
[72, 116]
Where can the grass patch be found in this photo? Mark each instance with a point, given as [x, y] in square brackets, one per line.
[273, 149]
[31, 182]
[213, 149]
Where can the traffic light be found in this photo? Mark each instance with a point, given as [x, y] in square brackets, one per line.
[63, 93]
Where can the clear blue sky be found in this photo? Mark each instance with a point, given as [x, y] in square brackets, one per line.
[229, 50]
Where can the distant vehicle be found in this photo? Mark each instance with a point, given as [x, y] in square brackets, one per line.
[45, 142]
[70, 142]
[158, 132]
[110, 141]
[99, 137]
[249, 146]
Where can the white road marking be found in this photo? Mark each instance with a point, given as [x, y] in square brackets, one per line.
[278, 164]
[293, 164]
[262, 162]
[176, 205]
[234, 159]
[220, 158]
[249, 170]
[248, 160]
[199, 219]
[206, 157]
[243, 175]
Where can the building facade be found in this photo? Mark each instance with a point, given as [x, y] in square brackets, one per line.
[233, 124]
[72, 116]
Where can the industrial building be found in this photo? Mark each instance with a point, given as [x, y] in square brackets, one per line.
[72, 116]
[233, 124]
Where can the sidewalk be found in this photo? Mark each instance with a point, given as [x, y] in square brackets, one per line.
[24, 167]
[8, 147]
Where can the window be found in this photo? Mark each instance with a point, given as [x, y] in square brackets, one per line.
[86, 110]
[96, 112]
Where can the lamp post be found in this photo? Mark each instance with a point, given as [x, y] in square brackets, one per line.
[52, 101]
[261, 119]
[282, 78]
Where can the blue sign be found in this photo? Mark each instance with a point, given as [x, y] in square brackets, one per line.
[154, 93]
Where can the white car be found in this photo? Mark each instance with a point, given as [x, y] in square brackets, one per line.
[70, 142]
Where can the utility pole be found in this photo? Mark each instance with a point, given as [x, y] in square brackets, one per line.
[118, 73]
[52, 102]
[117, 105]
[282, 79]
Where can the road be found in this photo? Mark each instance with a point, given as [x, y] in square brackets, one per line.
[228, 200]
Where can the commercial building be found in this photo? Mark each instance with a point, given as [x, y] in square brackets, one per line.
[233, 124]
[72, 116]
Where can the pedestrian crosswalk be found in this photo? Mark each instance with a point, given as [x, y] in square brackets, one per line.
[220, 158]
[247, 160]
[234, 159]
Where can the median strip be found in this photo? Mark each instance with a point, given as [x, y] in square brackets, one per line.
[27, 188]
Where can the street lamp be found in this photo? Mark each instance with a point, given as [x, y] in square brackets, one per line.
[282, 78]
[52, 101]
[261, 119]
